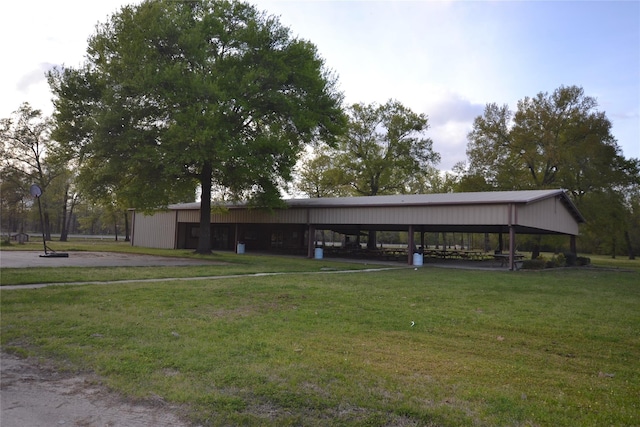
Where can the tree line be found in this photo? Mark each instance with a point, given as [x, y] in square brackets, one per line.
[30, 156]
[218, 98]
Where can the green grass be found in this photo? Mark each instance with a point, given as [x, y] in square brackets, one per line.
[488, 348]
[233, 265]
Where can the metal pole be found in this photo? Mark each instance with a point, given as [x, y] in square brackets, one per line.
[44, 242]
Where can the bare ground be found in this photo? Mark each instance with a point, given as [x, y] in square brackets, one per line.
[35, 394]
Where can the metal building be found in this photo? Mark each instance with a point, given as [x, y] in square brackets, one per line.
[504, 212]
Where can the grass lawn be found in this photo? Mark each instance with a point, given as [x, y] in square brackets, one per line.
[227, 263]
[522, 348]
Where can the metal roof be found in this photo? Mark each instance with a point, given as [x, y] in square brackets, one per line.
[473, 198]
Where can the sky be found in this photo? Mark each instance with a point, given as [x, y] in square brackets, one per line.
[445, 59]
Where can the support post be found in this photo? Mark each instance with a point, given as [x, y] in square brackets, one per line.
[236, 239]
[410, 247]
[512, 248]
[311, 241]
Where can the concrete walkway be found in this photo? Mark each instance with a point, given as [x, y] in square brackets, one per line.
[32, 259]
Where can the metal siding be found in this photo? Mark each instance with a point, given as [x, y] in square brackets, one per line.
[549, 214]
[412, 215]
[155, 231]
[251, 216]
[248, 216]
[192, 216]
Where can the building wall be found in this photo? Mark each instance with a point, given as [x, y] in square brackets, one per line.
[161, 230]
[155, 231]
[248, 216]
[412, 215]
[548, 214]
[416, 215]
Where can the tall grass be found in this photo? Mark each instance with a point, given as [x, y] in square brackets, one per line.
[486, 348]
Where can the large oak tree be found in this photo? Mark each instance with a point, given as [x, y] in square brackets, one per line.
[209, 94]
[557, 140]
[384, 151]
[384, 147]
[552, 140]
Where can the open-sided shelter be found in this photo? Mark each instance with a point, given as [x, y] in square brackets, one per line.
[293, 228]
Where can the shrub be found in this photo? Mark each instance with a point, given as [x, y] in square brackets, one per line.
[543, 262]
[534, 264]
[570, 259]
[556, 261]
[583, 260]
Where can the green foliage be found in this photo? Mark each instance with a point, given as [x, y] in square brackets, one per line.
[534, 264]
[554, 140]
[180, 94]
[319, 175]
[30, 156]
[581, 261]
[384, 148]
[614, 222]
[553, 261]
[558, 140]
[15, 199]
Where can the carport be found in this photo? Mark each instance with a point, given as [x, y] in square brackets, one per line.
[508, 212]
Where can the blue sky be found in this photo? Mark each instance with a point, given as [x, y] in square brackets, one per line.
[445, 59]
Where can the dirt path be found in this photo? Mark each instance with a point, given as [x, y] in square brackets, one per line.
[36, 395]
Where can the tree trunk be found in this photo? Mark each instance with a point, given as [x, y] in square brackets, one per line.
[204, 238]
[63, 232]
[614, 247]
[67, 215]
[627, 239]
[127, 237]
[536, 248]
[372, 242]
[74, 201]
[47, 226]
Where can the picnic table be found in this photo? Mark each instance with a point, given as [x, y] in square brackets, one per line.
[396, 254]
[504, 258]
[455, 254]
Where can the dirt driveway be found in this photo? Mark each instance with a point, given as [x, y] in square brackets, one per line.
[36, 395]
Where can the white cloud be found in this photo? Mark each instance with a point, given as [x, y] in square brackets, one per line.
[451, 117]
[34, 77]
[444, 59]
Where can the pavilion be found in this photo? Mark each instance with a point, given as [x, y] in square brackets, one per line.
[293, 228]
